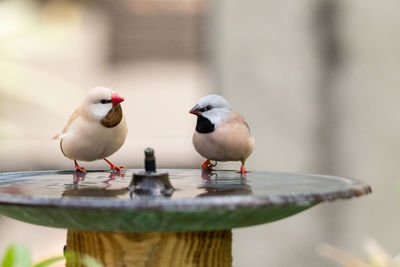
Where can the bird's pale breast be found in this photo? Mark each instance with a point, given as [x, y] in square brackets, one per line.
[89, 140]
[230, 141]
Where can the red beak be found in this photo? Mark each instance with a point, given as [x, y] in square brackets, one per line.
[195, 110]
[116, 99]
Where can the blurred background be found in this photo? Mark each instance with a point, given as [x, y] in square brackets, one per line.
[317, 80]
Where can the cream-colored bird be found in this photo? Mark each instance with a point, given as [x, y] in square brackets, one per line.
[96, 129]
[221, 134]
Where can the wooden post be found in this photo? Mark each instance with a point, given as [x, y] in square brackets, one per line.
[212, 248]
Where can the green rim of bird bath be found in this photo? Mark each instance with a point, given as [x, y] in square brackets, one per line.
[210, 200]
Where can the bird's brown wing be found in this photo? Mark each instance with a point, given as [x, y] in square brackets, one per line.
[74, 115]
[237, 117]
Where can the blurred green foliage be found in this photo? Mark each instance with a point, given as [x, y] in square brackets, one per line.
[75, 259]
[20, 256]
[16, 256]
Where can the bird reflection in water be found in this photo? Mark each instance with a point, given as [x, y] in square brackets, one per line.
[94, 191]
[207, 175]
[223, 186]
[78, 176]
[114, 174]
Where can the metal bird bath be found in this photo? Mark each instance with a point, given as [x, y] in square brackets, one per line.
[209, 201]
[214, 201]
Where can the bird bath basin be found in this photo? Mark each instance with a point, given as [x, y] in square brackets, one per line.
[118, 222]
[211, 200]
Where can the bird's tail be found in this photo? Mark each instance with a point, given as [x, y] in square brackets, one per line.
[59, 136]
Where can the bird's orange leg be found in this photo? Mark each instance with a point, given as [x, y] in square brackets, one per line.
[113, 167]
[207, 165]
[77, 168]
[243, 170]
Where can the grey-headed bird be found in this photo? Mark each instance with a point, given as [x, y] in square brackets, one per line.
[96, 129]
[221, 134]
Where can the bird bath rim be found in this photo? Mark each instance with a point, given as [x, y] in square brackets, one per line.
[356, 188]
[254, 202]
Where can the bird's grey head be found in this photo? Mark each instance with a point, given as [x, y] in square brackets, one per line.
[214, 108]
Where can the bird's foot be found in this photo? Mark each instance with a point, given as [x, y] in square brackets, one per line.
[78, 168]
[242, 170]
[119, 169]
[208, 165]
[115, 168]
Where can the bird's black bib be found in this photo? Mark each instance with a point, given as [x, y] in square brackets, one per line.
[204, 125]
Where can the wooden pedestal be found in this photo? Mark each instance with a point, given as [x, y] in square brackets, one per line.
[211, 248]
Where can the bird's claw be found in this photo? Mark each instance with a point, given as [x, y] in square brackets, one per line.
[208, 165]
[118, 169]
[80, 169]
[115, 168]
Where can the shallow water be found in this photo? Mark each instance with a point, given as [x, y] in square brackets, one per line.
[188, 184]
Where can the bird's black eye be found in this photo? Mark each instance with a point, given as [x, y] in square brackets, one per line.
[105, 101]
[206, 108]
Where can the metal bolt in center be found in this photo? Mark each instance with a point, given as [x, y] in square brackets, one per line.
[150, 182]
